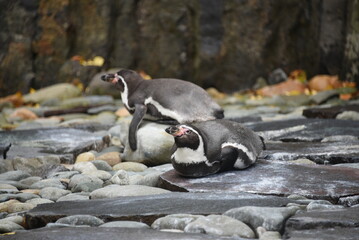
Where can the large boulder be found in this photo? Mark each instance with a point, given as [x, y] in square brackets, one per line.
[153, 143]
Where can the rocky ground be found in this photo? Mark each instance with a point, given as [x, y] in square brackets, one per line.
[69, 173]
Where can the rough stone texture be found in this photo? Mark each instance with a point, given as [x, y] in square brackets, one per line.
[55, 141]
[81, 220]
[148, 208]
[318, 152]
[187, 39]
[220, 225]
[106, 233]
[271, 218]
[324, 234]
[153, 143]
[329, 112]
[313, 181]
[125, 224]
[304, 129]
[341, 218]
[113, 191]
[174, 221]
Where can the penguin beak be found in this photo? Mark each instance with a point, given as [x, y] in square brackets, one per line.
[113, 78]
[175, 131]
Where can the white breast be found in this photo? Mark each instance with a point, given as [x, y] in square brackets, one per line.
[124, 94]
[190, 156]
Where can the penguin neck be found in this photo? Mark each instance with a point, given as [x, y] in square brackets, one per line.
[185, 143]
[127, 91]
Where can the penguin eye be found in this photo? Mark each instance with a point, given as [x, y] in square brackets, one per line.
[188, 132]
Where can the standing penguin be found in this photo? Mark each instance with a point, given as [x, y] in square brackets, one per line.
[162, 99]
[204, 148]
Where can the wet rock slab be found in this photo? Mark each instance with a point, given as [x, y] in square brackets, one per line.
[343, 221]
[325, 234]
[52, 140]
[312, 181]
[148, 208]
[319, 152]
[104, 233]
[309, 130]
[330, 112]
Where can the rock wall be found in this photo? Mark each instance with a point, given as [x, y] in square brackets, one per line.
[224, 44]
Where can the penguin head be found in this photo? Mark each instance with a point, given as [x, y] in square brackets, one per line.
[122, 78]
[185, 136]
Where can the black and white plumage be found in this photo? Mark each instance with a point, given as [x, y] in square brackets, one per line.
[162, 99]
[204, 148]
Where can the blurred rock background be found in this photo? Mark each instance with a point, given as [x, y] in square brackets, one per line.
[228, 45]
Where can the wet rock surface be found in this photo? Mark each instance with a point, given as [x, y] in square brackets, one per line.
[274, 178]
[74, 170]
[307, 130]
[332, 224]
[329, 112]
[148, 208]
[106, 233]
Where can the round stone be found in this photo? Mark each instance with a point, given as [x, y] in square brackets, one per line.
[81, 220]
[112, 191]
[85, 157]
[48, 183]
[130, 166]
[37, 201]
[220, 225]
[102, 165]
[112, 158]
[125, 224]
[74, 197]
[103, 175]
[20, 207]
[53, 193]
[84, 167]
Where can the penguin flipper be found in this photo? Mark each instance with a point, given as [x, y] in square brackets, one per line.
[140, 111]
[228, 157]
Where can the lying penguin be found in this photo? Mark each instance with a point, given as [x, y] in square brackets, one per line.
[204, 148]
[162, 99]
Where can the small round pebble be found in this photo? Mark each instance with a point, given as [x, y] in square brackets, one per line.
[48, 183]
[37, 201]
[112, 158]
[14, 175]
[20, 207]
[125, 224]
[85, 157]
[81, 220]
[120, 177]
[53, 193]
[84, 167]
[130, 166]
[103, 175]
[30, 180]
[7, 188]
[75, 197]
[112, 191]
[8, 226]
[102, 165]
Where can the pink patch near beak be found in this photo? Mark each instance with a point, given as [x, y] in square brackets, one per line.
[180, 132]
[115, 80]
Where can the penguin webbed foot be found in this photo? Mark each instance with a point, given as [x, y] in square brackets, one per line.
[140, 111]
